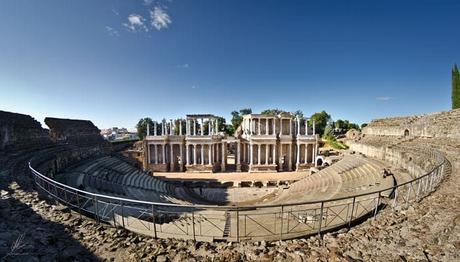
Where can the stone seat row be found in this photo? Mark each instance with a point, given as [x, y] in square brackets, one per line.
[112, 175]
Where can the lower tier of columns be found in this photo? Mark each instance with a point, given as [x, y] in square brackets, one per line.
[212, 157]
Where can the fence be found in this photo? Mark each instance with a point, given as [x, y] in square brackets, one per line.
[237, 223]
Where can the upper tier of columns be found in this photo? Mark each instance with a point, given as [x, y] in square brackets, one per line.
[267, 126]
[195, 126]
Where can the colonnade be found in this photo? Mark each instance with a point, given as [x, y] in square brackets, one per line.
[195, 127]
[203, 153]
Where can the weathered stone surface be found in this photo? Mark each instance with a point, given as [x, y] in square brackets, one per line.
[76, 132]
[18, 131]
[427, 231]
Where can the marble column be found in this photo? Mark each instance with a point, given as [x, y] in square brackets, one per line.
[298, 156]
[266, 153]
[149, 155]
[314, 127]
[180, 127]
[266, 126]
[202, 127]
[258, 154]
[164, 153]
[210, 154]
[298, 126]
[202, 153]
[281, 126]
[251, 154]
[223, 162]
[290, 127]
[181, 157]
[244, 153]
[306, 127]
[194, 127]
[171, 159]
[155, 128]
[290, 157]
[274, 127]
[156, 153]
[274, 154]
[313, 153]
[194, 154]
[238, 153]
[306, 154]
[258, 127]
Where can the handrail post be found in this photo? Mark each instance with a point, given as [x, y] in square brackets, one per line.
[193, 225]
[78, 204]
[377, 206]
[122, 214]
[281, 222]
[154, 222]
[320, 219]
[417, 194]
[237, 224]
[408, 193]
[96, 209]
[352, 210]
[395, 197]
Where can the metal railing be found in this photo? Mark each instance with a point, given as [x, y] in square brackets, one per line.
[237, 223]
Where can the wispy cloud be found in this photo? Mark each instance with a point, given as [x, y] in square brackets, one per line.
[184, 66]
[148, 2]
[384, 98]
[115, 12]
[112, 31]
[136, 23]
[194, 87]
[160, 19]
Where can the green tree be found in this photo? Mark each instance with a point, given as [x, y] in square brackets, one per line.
[321, 120]
[237, 118]
[142, 127]
[455, 88]
[273, 112]
[340, 124]
[363, 125]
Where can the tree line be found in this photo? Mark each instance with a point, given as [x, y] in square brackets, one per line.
[324, 124]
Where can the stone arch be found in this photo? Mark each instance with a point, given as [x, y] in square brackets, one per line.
[320, 161]
[406, 132]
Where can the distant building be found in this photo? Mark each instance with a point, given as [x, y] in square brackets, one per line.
[118, 134]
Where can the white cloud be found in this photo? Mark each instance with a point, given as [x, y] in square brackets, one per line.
[148, 2]
[160, 19]
[184, 66]
[112, 31]
[136, 23]
[383, 98]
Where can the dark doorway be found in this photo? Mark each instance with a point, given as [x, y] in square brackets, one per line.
[406, 132]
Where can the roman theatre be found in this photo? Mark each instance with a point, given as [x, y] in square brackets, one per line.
[270, 181]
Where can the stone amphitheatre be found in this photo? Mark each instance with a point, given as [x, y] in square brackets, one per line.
[264, 194]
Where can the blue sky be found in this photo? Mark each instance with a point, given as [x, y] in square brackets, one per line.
[114, 62]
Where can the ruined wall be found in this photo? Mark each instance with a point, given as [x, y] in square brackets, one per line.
[75, 132]
[443, 124]
[18, 132]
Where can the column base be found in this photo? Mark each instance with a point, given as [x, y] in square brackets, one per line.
[238, 167]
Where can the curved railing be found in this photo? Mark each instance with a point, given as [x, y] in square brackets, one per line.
[235, 223]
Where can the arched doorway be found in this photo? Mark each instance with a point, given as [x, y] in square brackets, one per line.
[406, 132]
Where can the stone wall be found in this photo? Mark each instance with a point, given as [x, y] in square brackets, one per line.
[76, 132]
[18, 132]
[443, 124]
